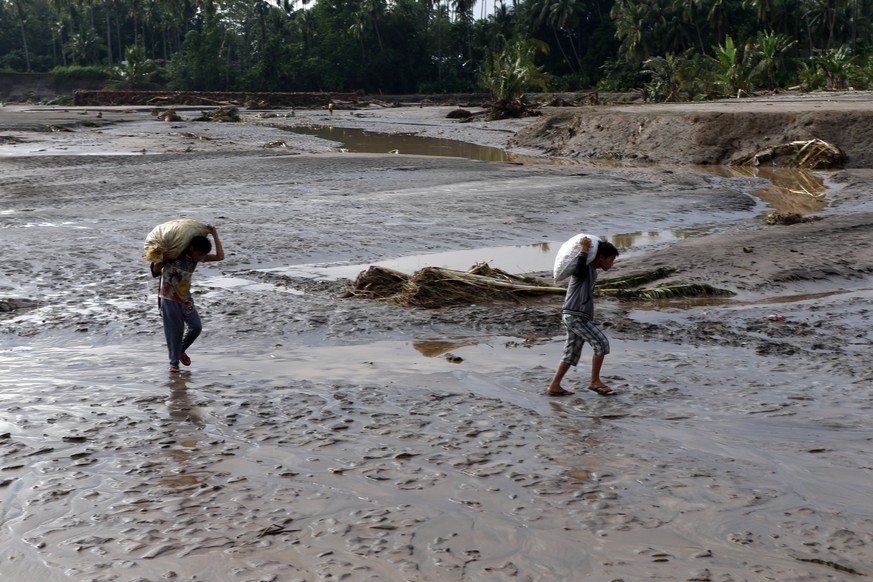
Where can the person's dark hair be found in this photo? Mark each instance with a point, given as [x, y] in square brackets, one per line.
[606, 249]
[201, 243]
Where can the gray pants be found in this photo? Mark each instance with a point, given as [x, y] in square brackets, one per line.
[579, 331]
[181, 327]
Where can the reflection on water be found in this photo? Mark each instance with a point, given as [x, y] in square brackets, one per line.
[791, 190]
[434, 348]
[519, 259]
[365, 142]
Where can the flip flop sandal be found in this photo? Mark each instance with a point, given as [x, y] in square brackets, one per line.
[561, 393]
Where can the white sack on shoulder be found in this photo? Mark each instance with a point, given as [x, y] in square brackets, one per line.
[169, 240]
[565, 262]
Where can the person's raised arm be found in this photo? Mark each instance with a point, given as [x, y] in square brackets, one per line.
[581, 270]
[218, 255]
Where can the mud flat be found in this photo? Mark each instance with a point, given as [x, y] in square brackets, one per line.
[322, 437]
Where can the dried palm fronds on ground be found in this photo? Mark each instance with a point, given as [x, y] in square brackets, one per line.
[439, 287]
[378, 283]
[813, 154]
[669, 292]
[627, 288]
[606, 285]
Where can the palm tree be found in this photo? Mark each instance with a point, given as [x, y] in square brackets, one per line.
[732, 68]
[835, 64]
[561, 15]
[770, 47]
[693, 13]
[666, 73]
[22, 21]
[637, 24]
[373, 11]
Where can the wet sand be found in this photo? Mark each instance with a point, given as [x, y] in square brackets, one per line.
[321, 437]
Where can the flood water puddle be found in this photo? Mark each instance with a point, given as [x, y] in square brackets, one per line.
[790, 190]
[513, 259]
[366, 142]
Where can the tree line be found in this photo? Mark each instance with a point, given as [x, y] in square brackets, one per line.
[668, 49]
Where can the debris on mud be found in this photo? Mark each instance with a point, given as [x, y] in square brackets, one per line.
[166, 115]
[787, 218]
[14, 304]
[222, 114]
[813, 154]
[459, 114]
[629, 287]
[433, 287]
[439, 287]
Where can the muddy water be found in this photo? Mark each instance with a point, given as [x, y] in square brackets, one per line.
[396, 464]
[362, 141]
[789, 190]
[320, 438]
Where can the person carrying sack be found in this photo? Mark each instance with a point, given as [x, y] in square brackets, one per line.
[179, 315]
[578, 317]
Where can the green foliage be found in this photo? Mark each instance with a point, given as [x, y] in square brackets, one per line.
[860, 76]
[770, 49]
[202, 62]
[136, 70]
[404, 45]
[734, 69]
[620, 75]
[668, 77]
[810, 78]
[79, 73]
[573, 82]
[835, 65]
[509, 73]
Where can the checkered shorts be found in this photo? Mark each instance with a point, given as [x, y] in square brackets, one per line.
[579, 331]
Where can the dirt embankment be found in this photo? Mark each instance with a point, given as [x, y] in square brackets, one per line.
[704, 133]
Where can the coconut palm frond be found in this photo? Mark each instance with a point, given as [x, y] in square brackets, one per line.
[633, 280]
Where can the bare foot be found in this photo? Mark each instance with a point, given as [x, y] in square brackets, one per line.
[186, 361]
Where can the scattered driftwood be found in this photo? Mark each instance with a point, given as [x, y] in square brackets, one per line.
[788, 218]
[189, 135]
[438, 287]
[238, 99]
[813, 154]
[221, 115]
[459, 114]
[591, 98]
[166, 114]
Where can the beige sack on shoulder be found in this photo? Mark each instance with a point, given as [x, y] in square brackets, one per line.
[169, 240]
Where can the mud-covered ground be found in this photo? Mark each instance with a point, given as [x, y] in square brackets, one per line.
[321, 437]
